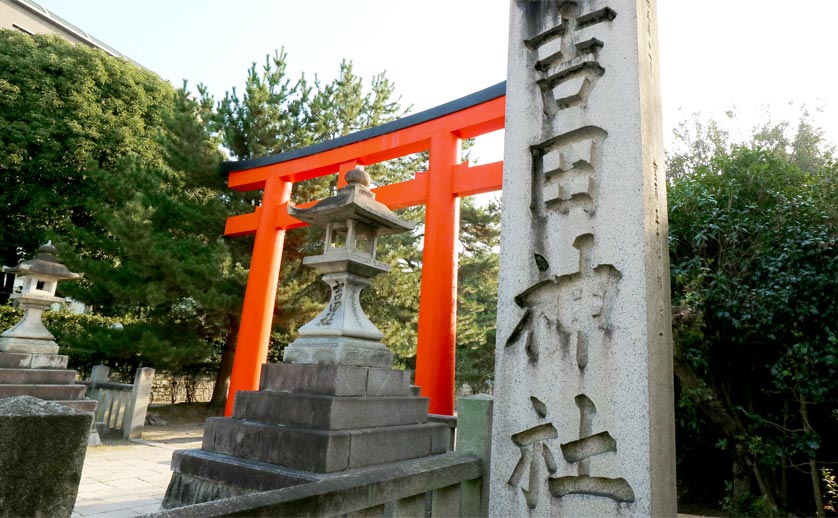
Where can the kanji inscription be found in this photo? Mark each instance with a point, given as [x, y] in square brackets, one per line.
[535, 452]
[566, 60]
[577, 306]
[580, 451]
[566, 167]
[583, 303]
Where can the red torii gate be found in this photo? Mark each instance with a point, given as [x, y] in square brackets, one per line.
[439, 131]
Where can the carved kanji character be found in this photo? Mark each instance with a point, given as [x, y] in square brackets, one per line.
[533, 450]
[578, 305]
[565, 53]
[580, 451]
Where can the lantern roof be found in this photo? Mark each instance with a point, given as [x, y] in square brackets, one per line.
[356, 202]
[44, 264]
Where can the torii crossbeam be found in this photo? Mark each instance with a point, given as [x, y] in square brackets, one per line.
[438, 131]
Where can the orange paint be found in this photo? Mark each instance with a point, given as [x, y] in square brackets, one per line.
[260, 294]
[437, 341]
[439, 188]
[471, 122]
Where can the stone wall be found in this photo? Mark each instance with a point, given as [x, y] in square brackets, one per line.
[179, 388]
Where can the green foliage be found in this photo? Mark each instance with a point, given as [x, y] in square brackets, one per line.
[9, 316]
[477, 294]
[276, 114]
[122, 172]
[748, 505]
[132, 195]
[65, 108]
[92, 339]
[830, 489]
[754, 255]
[153, 250]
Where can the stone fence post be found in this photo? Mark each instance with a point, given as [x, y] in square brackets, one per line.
[100, 373]
[474, 437]
[132, 426]
[121, 405]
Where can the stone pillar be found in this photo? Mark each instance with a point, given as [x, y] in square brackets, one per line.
[42, 448]
[100, 373]
[134, 421]
[474, 437]
[584, 419]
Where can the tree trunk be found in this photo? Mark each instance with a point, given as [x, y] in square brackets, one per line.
[765, 486]
[741, 485]
[222, 379]
[709, 401]
[813, 464]
[785, 462]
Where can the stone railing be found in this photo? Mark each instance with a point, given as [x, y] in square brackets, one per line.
[122, 406]
[447, 485]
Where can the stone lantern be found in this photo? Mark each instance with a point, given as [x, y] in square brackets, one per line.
[40, 279]
[342, 334]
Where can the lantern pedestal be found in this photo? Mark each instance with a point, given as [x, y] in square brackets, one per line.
[342, 334]
[29, 363]
[29, 335]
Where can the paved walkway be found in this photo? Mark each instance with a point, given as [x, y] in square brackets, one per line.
[124, 479]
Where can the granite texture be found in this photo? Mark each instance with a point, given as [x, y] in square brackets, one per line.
[391, 490]
[32, 361]
[583, 331]
[42, 449]
[328, 412]
[334, 380]
[323, 451]
[37, 376]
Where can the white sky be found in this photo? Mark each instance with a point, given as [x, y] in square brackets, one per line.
[715, 54]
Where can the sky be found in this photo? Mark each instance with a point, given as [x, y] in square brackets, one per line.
[749, 56]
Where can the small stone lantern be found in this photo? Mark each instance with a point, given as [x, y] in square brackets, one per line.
[40, 279]
[342, 334]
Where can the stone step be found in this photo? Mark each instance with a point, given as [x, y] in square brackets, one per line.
[82, 405]
[200, 476]
[36, 377]
[47, 392]
[323, 451]
[329, 412]
[334, 380]
[32, 361]
[246, 473]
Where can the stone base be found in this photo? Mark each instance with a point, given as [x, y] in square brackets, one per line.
[307, 422]
[47, 392]
[334, 380]
[27, 345]
[37, 376]
[200, 476]
[323, 451]
[317, 412]
[32, 361]
[216, 475]
[338, 350]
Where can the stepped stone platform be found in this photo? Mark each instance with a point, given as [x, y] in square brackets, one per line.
[44, 376]
[307, 422]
